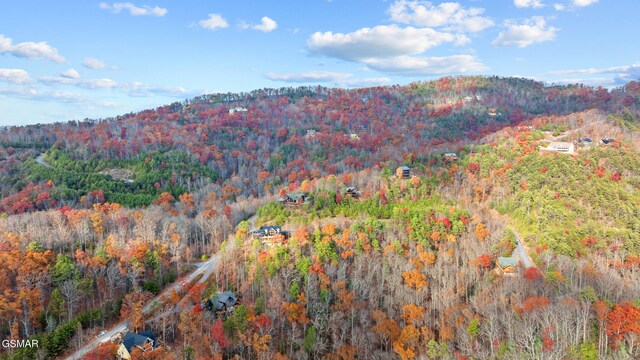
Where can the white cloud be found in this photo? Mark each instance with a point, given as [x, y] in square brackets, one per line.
[15, 76]
[583, 3]
[93, 63]
[335, 78]
[134, 10]
[33, 94]
[97, 83]
[531, 31]
[213, 22]
[536, 4]
[267, 25]
[600, 81]
[70, 74]
[610, 70]
[621, 74]
[395, 50]
[134, 88]
[62, 96]
[30, 50]
[138, 89]
[451, 15]
[311, 76]
[380, 41]
[82, 83]
[573, 4]
[414, 65]
[461, 40]
[364, 82]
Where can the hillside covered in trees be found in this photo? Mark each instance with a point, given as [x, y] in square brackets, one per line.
[103, 219]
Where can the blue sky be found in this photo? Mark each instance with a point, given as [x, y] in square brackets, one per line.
[76, 59]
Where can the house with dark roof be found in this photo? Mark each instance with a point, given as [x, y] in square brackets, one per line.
[270, 235]
[267, 230]
[403, 172]
[293, 199]
[351, 191]
[222, 302]
[145, 341]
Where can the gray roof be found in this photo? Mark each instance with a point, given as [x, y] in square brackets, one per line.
[404, 168]
[293, 197]
[132, 339]
[220, 300]
[267, 229]
[507, 261]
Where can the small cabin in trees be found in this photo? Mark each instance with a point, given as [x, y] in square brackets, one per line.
[468, 99]
[450, 157]
[492, 112]
[563, 147]
[270, 235]
[351, 191]
[222, 303]
[268, 230]
[293, 199]
[238, 110]
[145, 341]
[506, 265]
[585, 142]
[403, 172]
[310, 134]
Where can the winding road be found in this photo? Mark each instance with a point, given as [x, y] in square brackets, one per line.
[205, 269]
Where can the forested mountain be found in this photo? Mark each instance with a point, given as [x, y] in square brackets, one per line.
[99, 216]
[284, 135]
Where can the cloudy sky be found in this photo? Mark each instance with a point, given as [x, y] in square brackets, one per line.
[73, 59]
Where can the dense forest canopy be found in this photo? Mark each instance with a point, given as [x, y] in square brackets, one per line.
[98, 217]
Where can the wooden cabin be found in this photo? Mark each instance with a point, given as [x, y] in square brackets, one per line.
[403, 172]
[222, 303]
[270, 235]
[145, 341]
[293, 199]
